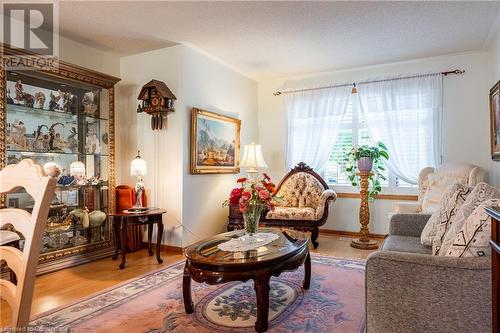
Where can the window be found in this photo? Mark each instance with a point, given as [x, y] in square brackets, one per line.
[353, 132]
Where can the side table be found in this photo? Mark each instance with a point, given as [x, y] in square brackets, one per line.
[122, 220]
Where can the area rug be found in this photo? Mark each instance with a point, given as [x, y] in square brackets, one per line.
[153, 304]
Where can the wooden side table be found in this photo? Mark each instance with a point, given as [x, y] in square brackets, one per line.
[495, 267]
[122, 220]
[364, 216]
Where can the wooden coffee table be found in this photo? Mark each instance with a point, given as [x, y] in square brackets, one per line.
[205, 263]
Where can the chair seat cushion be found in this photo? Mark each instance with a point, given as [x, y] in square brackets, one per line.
[292, 213]
[8, 237]
[405, 244]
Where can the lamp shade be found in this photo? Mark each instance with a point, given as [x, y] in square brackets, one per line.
[138, 167]
[252, 158]
[77, 169]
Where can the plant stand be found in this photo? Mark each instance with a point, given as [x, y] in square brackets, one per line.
[364, 216]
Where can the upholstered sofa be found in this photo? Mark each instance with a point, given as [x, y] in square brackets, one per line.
[305, 201]
[433, 181]
[409, 290]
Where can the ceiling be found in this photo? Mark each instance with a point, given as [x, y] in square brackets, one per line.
[278, 39]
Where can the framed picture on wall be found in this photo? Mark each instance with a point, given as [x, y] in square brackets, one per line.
[215, 143]
[495, 121]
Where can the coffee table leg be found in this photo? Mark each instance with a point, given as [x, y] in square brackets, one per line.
[261, 286]
[307, 271]
[123, 240]
[150, 236]
[186, 290]
[158, 240]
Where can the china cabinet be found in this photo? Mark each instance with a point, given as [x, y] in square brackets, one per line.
[63, 116]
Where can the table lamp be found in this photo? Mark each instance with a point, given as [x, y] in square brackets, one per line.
[253, 160]
[138, 168]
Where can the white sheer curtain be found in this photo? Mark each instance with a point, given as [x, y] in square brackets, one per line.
[406, 115]
[314, 118]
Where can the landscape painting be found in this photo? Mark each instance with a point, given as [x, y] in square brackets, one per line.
[215, 143]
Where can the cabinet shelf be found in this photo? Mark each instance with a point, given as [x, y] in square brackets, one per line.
[49, 153]
[23, 110]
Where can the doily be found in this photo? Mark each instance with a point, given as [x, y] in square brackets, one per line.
[246, 243]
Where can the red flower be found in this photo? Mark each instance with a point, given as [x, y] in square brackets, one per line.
[264, 195]
[266, 177]
[234, 197]
[243, 207]
[246, 195]
[241, 180]
[270, 187]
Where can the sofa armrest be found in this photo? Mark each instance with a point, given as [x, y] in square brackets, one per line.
[409, 292]
[326, 197]
[408, 224]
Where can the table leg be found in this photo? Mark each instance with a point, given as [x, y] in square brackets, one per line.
[307, 271]
[116, 232]
[150, 235]
[186, 290]
[158, 240]
[123, 239]
[261, 286]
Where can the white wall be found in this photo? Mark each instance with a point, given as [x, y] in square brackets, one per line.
[212, 86]
[88, 57]
[465, 132]
[193, 202]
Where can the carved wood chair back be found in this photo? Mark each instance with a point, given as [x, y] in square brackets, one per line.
[31, 177]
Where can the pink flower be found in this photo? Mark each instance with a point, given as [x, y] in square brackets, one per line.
[264, 194]
[243, 207]
[246, 195]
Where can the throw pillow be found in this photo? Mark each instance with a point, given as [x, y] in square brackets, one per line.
[447, 214]
[479, 194]
[474, 237]
[442, 214]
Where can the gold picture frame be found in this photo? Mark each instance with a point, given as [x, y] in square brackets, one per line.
[495, 121]
[215, 143]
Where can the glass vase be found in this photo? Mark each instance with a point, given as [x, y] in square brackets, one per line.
[251, 220]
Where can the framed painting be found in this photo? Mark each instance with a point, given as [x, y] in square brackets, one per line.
[495, 121]
[215, 143]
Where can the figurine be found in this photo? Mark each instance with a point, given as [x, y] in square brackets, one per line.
[40, 99]
[53, 104]
[67, 100]
[92, 144]
[72, 141]
[41, 142]
[89, 103]
[18, 134]
[19, 92]
[29, 100]
[66, 179]
[52, 135]
[9, 99]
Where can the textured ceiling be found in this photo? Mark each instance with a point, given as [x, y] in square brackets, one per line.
[277, 39]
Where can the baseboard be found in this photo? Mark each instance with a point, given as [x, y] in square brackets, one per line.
[170, 248]
[347, 233]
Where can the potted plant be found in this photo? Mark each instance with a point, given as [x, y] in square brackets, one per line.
[367, 159]
[252, 197]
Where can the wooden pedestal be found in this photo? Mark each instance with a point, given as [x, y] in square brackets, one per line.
[364, 216]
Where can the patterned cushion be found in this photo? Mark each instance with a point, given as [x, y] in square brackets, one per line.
[301, 190]
[479, 194]
[447, 216]
[473, 239]
[292, 213]
[443, 213]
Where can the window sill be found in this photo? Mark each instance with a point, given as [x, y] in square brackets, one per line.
[398, 193]
[401, 197]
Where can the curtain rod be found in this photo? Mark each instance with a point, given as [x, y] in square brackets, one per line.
[456, 71]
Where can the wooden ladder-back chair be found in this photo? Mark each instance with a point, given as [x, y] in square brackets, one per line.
[31, 177]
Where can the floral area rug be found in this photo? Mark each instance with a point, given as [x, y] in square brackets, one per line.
[153, 304]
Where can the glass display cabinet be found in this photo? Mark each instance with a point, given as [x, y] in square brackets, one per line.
[64, 118]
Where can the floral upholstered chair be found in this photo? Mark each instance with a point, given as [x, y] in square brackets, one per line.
[306, 198]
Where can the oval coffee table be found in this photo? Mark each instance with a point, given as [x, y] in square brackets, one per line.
[206, 263]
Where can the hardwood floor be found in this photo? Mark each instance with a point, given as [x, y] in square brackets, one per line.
[66, 286]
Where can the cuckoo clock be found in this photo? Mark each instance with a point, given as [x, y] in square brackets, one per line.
[156, 100]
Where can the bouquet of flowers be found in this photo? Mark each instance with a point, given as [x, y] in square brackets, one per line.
[252, 198]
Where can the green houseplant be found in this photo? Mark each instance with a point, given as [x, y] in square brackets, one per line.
[367, 159]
